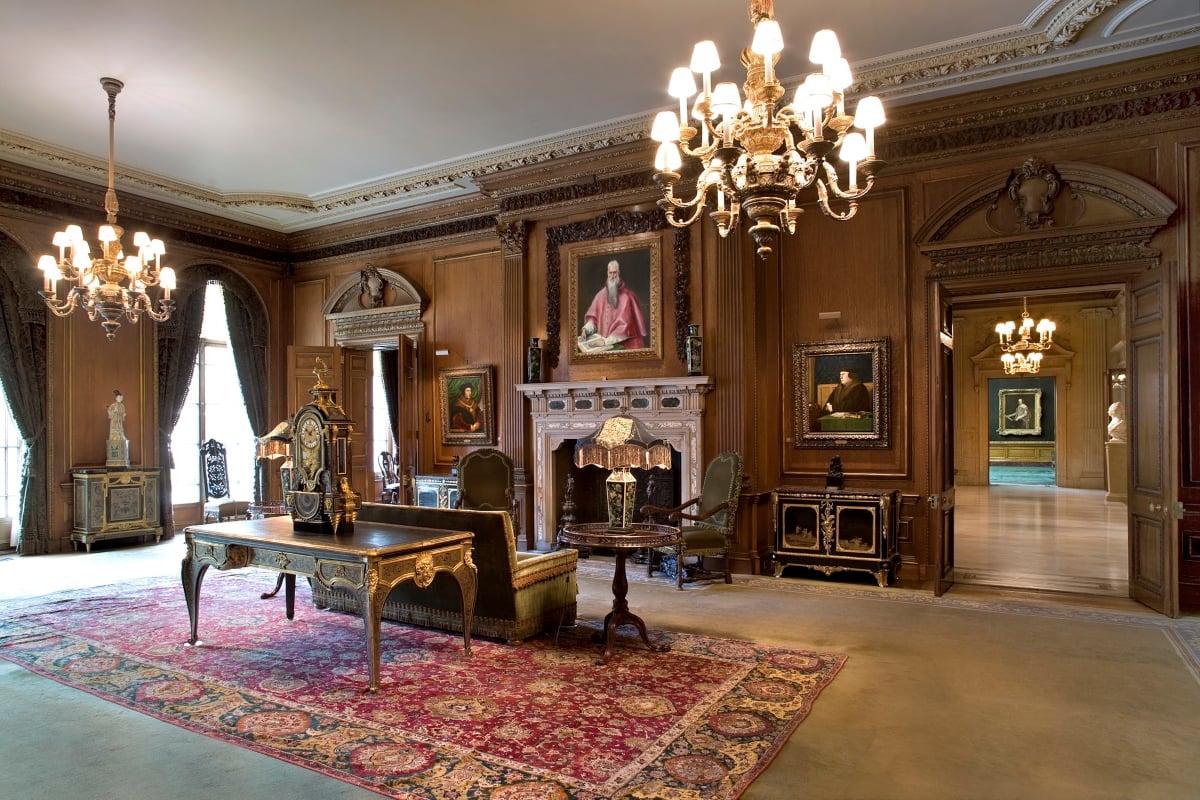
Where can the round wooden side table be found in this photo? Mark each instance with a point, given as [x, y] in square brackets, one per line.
[622, 541]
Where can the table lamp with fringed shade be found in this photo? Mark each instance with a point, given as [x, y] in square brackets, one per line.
[276, 444]
[620, 444]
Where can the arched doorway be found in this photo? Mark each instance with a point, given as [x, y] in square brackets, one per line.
[1063, 228]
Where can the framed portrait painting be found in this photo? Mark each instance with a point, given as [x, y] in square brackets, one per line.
[465, 403]
[1020, 412]
[841, 392]
[614, 304]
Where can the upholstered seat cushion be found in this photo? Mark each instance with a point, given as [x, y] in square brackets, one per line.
[703, 539]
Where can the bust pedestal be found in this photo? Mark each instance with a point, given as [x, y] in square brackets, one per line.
[1116, 456]
[118, 452]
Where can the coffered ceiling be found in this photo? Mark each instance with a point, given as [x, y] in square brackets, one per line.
[292, 114]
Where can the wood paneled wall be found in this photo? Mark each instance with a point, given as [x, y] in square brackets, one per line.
[1142, 121]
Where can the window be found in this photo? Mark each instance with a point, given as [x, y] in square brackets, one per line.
[214, 409]
[12, 456]
[381, 429]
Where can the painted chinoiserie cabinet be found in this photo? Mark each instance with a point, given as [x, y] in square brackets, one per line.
[832, 531]
[114, 504]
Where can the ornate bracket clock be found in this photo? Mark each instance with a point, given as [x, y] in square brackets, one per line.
[321, 499]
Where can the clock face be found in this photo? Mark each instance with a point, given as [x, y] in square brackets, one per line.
[309, 438]
[310, 432]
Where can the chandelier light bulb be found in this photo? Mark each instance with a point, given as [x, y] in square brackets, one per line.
[825, 47]
[725, 99]
[666, 127]
[668, 159]
[705, 61]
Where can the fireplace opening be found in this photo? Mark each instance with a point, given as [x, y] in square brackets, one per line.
[659, 487]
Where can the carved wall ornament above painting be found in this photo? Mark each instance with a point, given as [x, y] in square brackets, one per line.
[374, 307]
[372, 288]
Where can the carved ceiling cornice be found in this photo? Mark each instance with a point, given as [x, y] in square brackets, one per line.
[1031, 112]
[995, 56]
[47, 195]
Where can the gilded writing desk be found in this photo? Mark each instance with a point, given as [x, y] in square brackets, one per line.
[368, 563]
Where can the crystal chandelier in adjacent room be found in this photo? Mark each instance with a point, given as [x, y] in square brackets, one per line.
[757, 156]
[112, 285]
[1023, 356]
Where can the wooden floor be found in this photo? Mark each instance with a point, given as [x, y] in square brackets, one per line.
[1041, 537]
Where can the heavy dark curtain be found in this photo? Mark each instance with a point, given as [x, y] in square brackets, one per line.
[23, 373]
[389, 361]
[248, 340]
[178, 344]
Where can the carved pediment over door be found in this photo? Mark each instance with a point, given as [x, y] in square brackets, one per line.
[374, 308]
[1044, 218]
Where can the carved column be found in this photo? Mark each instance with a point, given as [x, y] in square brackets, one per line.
[513, 238]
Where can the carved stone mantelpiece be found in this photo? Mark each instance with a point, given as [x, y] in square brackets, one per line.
[672, 408]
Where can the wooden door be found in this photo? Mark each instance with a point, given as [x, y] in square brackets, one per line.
[941, 434]
[1153, 462]
[408, 404]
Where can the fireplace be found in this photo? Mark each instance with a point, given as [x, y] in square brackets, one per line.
[671, 408]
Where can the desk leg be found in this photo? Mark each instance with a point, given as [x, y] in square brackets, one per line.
[289, 594]
[278, 586]
[192, 575]
[371, 600]
[620, 614]
[466, 575]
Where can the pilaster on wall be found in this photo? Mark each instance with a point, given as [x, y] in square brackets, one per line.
[513, 237]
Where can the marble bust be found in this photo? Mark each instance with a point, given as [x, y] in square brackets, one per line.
[1116, 422]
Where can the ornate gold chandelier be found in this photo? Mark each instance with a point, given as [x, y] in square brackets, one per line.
[113, 285]
[758, 156]
[1024, 355]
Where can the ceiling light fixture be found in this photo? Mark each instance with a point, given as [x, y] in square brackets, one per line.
[1024, 356]
[759, 155]
[113, 285]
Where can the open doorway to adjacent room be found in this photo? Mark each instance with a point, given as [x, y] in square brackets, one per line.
[1037, 504]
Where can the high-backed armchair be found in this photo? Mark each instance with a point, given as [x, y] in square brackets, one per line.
[218, 502]
[708, 529]
[392, 485]
[485, 483]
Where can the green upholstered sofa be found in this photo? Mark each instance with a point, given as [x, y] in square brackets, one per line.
[519, 594]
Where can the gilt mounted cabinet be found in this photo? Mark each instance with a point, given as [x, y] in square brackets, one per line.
[115, 504]
[436, 491]
[835, 531]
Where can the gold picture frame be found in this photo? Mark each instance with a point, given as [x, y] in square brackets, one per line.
[466, 405]
[599, 330]
[1019, 412]
[841, 393]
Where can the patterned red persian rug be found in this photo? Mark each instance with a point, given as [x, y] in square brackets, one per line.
[537, 720]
